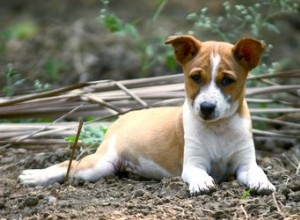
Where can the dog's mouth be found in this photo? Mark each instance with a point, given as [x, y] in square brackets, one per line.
[208, 118]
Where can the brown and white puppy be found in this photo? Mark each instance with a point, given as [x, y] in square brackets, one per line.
[204, 141]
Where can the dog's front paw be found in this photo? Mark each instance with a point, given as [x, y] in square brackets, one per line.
[202, 185]
[199, 181]
[261, 186]
[42, 177]
[255, 179]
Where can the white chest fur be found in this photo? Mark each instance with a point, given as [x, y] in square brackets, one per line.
[220, 147]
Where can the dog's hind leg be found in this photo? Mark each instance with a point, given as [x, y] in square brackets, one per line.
[92, 167]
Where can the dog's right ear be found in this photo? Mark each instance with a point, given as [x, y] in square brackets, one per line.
[185, 47]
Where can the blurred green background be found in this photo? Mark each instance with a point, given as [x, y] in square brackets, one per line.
[48, 44]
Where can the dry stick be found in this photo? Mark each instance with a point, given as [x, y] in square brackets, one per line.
[275, 121]
[270, 83]
[244, 211]
[284, 74]
[277, 206]
[269, 101]
[73, 150]
[273, 134]
[43, 94]
[275, 110]
[102, 102]
[40, 142]
[41, 129]
[271, 89]
[128, 92]
[43, 134]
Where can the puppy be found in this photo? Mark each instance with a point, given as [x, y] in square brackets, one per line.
[205, 140]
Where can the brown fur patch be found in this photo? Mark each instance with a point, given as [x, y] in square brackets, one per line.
[154, 134]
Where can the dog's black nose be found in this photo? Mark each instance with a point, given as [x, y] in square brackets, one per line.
[207, 108]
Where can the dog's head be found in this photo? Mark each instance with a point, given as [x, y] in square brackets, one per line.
[215, 73]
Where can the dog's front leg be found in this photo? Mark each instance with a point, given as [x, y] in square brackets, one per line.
[196, 158]
[196, 165]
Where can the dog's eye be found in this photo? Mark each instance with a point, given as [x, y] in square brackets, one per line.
[226, 81]
[196, 78]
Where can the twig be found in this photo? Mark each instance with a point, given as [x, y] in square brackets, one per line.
[274, 110]
[43, 94]
[101, 102]
[245, 212]
[277, 206]
[73, 150]
[291, 73]
[272, 134]
[272, 89]
[274, 121]
[128, 92]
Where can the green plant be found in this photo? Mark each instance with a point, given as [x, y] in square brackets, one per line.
[252, 19]
[246, 194]
[39, 87]
[11, 79]
[91, 135]
[150, 46]
[21, 30]
[53, 68]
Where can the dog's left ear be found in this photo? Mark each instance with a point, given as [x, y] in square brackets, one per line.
[185, 47]
[248, 51]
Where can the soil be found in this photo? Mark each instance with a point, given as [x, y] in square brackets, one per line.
[130, 197]
[69, 33]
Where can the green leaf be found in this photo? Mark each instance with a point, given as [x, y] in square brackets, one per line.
[22, 30]
[246, 194]
[91, 135]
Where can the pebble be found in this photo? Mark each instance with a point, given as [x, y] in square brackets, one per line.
[51, 199]
[138, 193]
[2, 204]
[31, 201]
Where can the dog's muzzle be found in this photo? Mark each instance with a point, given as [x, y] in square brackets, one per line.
[207, 110]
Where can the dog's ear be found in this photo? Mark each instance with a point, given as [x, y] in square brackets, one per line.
[248, 51]
[185, 47]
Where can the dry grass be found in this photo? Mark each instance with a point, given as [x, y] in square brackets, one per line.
[274, 103]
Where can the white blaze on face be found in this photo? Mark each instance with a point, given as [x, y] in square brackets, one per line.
[215, 60]
[212, 93]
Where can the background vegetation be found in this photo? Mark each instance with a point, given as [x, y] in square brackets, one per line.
[39, 47]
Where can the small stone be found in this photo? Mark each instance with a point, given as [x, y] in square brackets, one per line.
[46, 214]
[31, 201]
[51, 199]
[138, 193]
[106, 204]
[2, 204]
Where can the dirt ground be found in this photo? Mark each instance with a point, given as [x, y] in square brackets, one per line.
[132, 198]
[68, 33]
